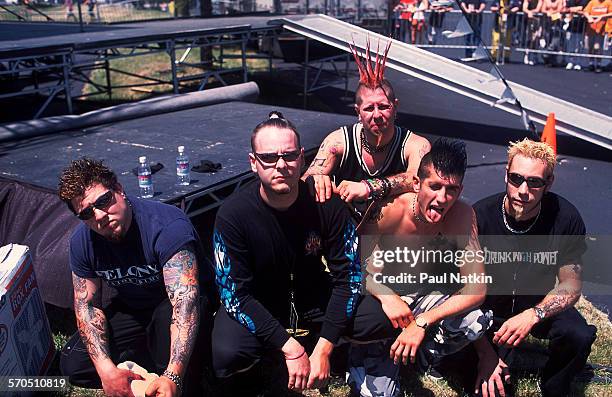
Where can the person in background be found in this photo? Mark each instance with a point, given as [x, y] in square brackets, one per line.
[575, 26]
[597, 13]
[473, 9]
[533, 31]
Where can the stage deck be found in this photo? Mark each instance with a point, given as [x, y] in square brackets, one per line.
[31, 38]
[219, 133]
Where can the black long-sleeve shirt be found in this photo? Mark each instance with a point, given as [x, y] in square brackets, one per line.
[257, 247]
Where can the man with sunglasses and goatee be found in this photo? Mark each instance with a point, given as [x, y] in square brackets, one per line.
[532, 238]
[282, 312]
[148, 252]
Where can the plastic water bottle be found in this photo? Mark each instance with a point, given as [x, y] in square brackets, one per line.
[182, 167]
[145, 181]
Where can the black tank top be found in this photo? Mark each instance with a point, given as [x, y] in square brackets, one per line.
[353, 167]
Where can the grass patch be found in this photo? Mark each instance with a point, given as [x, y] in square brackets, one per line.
[157, 66]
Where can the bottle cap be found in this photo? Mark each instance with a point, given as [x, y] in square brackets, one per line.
[181, 149]
[142, 159]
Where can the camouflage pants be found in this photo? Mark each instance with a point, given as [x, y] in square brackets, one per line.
[372, 372]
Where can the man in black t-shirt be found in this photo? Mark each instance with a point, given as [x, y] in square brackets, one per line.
[531, 238]
[268, 243]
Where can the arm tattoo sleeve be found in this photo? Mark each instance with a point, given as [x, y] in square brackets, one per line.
[559, 302]
[181, 279]
[323, 164]
[400, 183]
[91, 321]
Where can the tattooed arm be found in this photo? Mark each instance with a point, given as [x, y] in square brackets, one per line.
[562, 297]
[181, 280]
[91, 322]
[416, 148]
[328, 156]
[325, 162]
[566, 293]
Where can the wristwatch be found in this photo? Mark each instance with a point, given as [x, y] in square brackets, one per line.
[421, 322]
[540, 313]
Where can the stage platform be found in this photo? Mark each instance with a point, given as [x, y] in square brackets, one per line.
[32, 37]
[55, 60]
[219, 133]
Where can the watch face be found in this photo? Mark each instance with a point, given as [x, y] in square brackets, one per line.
[420, 322]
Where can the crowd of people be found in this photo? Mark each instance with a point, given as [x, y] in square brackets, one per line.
[296, 278]
[543, 27]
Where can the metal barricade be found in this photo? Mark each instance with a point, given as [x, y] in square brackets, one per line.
[561, 40]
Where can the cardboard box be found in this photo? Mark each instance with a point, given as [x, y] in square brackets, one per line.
[26, 346]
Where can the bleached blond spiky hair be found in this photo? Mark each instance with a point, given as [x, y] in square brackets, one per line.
[371, 77]
[534, 150]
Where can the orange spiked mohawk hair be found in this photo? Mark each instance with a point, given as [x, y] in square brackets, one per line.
[368, 76]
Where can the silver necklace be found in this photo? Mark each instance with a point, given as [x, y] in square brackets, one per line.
[368, 147]
[503, 209]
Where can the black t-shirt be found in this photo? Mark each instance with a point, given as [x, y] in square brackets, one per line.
[525, 266]
[256, 248]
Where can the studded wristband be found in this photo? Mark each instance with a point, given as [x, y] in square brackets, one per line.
[174, 378]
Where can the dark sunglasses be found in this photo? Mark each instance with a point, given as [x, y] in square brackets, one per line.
[101, 203]
[272, 158]
[532, 181]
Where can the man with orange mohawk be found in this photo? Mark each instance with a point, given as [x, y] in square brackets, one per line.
[373, 158]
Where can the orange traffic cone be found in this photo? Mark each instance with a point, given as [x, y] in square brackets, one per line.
[549, 135]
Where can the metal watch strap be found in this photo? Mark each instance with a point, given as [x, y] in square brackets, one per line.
[174, 378]
[420, 319]
[540, 313]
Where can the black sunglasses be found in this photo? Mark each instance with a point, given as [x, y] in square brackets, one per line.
[101, 203]
[532, 181]
[272, 158]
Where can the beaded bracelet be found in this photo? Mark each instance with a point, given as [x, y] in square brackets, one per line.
[376, 188]
[379, 187]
